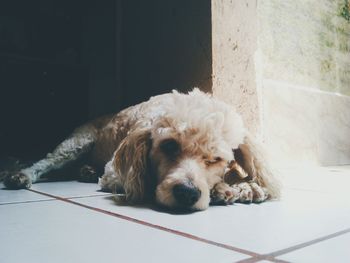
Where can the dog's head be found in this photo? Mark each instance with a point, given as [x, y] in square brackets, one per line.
[182, 153]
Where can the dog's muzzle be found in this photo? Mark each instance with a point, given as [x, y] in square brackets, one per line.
[186, 195]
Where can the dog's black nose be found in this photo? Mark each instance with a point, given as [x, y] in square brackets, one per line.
[186, 195]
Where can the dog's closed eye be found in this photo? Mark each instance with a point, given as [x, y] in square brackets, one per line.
[215, 160]
[170, 147]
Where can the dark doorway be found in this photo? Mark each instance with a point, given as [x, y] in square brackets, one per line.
[165, 45]
[63, 62]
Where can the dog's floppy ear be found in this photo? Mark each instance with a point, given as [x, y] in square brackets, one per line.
[250, 156]
[131, 163]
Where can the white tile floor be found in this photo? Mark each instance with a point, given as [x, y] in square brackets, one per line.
[74, 222]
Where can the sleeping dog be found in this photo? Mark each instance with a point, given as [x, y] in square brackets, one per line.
[179, 150]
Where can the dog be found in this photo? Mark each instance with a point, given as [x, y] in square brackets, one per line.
[178, 150]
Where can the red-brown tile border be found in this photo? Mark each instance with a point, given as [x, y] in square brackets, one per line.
[51, 199]
[27, 202]
[262, 257]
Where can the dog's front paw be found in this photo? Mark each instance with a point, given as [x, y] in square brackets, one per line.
[17, 181]
[246, 193]
[88, 174]
[260, 194]
[251, 192]
[223, 194]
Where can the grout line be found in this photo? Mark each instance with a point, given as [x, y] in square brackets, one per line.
[158, 227]
[88, 196]
[249, 260]
[277, 260]
[54, 199]
[308, 243]
[26, 202]
[262, 257]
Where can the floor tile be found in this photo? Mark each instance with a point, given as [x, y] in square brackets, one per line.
[263, 228]
[60, 232]
[316, 203]
[334, 180]
[69, 189]
[15, 196]
[332, 250]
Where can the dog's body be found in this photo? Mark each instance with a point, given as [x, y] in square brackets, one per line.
[173, 148]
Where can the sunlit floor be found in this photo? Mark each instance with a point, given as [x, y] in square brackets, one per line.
[74, 222]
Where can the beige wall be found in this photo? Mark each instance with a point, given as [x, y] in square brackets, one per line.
[234, 41]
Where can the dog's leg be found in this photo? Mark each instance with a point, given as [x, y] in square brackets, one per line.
[110, 180]
[244, 192]
[251, 192]
[89, 174]
[223, 194]
[70, 150]
[261, 180]
[247, 179]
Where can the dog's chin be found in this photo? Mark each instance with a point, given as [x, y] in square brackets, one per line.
[202, 205]
[170, 203]
[178, 209]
